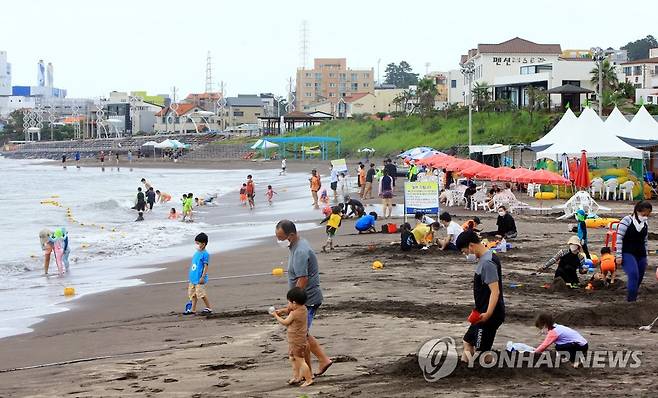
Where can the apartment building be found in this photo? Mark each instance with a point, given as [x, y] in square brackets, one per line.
[329, 80]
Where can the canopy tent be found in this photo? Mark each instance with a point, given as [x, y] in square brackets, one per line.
[264, 144]
[413, 152]
[170, 144]
[589, 133]
[642, 130]
[568, 120]
[150, 143]
[305, 145]
[616, 122]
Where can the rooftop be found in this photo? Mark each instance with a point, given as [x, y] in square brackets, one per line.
[642, 61]
[244, 100]
[518, 45]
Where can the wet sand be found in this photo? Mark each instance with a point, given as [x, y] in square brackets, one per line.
[371, 323]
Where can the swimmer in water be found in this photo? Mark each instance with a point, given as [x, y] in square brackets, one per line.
[173, 215]
[163, 197]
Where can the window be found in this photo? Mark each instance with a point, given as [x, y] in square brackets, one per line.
[307, 84]
[627, 70]
[257, 114]
[332, 94]
[637, 85]
[355, 86]
[637, 70]
[332, 75]
[354, 76]
[453, 83]
[307, 94]
[308, 74]
[655, 70]
[332, 85]
[366, 84]
[238, 113]
[318, 76]
[650, 98]
[342, 76]
[366, 75]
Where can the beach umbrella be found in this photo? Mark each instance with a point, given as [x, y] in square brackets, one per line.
[436, 160]
[425, 155]
[476, 170]
[411, 153]
[366, 150]
[582, 175]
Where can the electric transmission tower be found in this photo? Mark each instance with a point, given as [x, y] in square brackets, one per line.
[304, 36]
[208, 73]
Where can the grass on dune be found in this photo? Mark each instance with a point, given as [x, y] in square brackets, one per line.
[438, 132]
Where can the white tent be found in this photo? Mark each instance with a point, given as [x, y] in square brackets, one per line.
[590, 134]
[264, 144]
[567, 121]
[150, 143]
[165, 144]
[616, 122]
[642, 127]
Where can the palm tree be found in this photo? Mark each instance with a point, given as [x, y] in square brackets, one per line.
[481, 93]
[426, 93]
[608, 76]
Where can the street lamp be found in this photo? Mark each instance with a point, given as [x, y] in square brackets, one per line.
[598, 56]
[468, 69]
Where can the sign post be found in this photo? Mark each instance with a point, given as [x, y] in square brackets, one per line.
[421, 197]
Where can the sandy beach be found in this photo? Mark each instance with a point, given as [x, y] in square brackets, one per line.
[135, 342]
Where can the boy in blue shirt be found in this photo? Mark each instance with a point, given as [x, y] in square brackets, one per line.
[198, 277]
[366, 223]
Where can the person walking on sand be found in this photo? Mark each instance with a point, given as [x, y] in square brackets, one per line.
[370, 178]
[303, 272]
[489, 312]
[102, 157]
[632, 244]
[333, 179]
[283, 167]
[386, 193]
[315, 184]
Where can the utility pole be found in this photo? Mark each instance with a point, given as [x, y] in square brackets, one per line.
[467, 70]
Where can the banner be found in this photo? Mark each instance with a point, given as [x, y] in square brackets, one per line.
[340, 165]
[421, 197]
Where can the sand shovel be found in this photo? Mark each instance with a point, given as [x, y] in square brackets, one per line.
[648, 327]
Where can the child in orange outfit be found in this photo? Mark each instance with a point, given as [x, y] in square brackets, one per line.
[607, 264]
[243, 195]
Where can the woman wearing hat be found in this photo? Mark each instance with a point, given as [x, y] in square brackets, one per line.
[570, 261]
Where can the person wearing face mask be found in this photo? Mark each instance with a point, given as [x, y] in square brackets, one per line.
[303, 272]
[487, 294]
[566, 339]
[506, 224]
[569, 261]
[632, 241]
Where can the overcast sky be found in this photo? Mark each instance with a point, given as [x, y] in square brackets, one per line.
[100, 46]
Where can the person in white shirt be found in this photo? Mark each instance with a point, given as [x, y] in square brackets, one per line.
[283, 166]
[452, 232]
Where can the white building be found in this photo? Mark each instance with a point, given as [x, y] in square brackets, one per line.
[643, 75]
[5, 74]
[510, 67]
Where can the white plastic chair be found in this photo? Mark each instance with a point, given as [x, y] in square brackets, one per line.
[611, 188]
[580, 200]
[479, 200]
[532, 189]
[626, 189]
[597, 186]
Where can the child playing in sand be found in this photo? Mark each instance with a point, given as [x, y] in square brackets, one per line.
[270, 194]
[198, 277]
[243, 195]
[366, 223]
[333, 222]
[566, 339]
[173, 215]
[607, 266]
[297, 324]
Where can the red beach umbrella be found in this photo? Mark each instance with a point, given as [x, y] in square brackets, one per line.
[582, 175]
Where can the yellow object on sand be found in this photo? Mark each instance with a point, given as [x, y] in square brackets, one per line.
[54, 196]
[545, 195]
[277, 271]
[377, 265]
[599, 222]
[84, 245]
[69, 291]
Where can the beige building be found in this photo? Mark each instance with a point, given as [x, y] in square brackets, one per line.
[359, 104]
[643, 75]
[329, 81]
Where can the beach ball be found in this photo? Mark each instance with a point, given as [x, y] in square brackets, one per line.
[377, 265]
[69, 291]
[277, 272]
[595, 259]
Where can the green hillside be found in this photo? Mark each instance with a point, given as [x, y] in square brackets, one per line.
[438, 132]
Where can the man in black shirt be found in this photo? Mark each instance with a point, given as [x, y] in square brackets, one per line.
[370, 177]
[140, 206]
[487, 293]
[354, 206]
[392, 170]
[150, 197]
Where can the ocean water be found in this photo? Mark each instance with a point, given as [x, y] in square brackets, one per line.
[110, 250]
